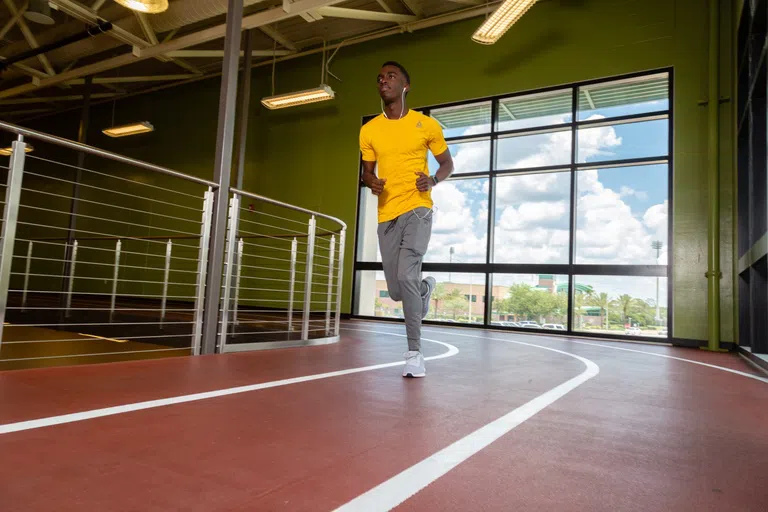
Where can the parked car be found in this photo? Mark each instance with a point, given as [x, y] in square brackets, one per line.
[509, 324]
[663, 332]
[633, 331]
[529, 324]
[554, 327]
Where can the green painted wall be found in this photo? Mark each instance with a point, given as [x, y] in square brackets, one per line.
[309, 156]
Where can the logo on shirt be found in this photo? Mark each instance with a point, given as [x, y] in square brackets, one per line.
[418, 125]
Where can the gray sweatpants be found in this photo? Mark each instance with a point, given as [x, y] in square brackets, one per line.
[403, 242]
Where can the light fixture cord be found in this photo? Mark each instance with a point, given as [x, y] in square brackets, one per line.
[274, 62]
[322, 67]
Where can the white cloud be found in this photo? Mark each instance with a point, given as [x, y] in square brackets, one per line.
[533, 210]
[630, 192]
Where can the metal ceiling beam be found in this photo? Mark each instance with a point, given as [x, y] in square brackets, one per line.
[358, 14]
[97, 5]
[425, 23]
[28, 36]
[384, 5]
[220, 53]
[101, 80]
[46, 99]
[468, 2]
[11, 22]
[256, 20]
[150, 34]
[413, 7]
[277, 36]
[311, 16]
[82, 13]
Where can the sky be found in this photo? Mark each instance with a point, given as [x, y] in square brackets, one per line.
[620, 211]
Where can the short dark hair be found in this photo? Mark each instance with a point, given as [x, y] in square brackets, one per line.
[400, 67]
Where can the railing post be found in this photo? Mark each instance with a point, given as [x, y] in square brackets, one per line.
[118, 246]
[342, 240]
[308, 279]
[240, 247]
[166, 275]
[27, 270]
[223, 169]
[71, 285]
[292, 286]
[332, 256]
[234, 210]
[10, 220]
[202, 265]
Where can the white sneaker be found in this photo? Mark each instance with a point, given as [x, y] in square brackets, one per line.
[414, 365]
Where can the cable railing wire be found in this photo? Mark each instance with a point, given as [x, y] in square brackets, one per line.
[88, 201]
[144, 198]
[102, 219]
[34, 157]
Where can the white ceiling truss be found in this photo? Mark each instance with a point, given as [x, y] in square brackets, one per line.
[142, 52]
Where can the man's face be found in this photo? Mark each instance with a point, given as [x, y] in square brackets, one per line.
[391, 83]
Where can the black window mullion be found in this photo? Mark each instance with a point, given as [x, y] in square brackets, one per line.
[488, 310]
[488, 268]
[574, 191]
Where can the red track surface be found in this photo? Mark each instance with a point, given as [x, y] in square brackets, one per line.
[647, 433]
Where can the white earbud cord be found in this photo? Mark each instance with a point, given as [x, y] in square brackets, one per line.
[402, 110]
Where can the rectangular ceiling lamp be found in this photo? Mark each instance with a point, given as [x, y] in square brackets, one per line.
[292, 99]
[9, 151]
[129, 129]
[499, 22]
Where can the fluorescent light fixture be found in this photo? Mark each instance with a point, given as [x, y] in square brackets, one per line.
[9, 150]
[292, 99]
[129, 129]
[499, 22]
[147, 6]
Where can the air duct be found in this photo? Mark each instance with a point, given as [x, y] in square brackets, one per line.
[89, 32]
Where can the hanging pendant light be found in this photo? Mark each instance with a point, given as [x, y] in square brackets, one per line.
[147, 6]
[39, 11]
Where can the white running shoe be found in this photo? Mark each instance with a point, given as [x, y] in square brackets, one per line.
[414, 365]
[430, 282]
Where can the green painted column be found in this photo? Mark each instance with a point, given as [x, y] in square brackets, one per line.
[713, 240]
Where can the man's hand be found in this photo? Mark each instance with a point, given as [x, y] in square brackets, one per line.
[377, 186]
[423, 182]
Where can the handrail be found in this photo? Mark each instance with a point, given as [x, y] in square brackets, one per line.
[32, 134]
[289, 206]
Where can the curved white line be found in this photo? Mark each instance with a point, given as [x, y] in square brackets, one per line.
[139, 406]
[401, 487]
[452, 350]
[716, 367]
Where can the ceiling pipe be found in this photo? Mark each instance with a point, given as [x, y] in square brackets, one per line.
[93, 31]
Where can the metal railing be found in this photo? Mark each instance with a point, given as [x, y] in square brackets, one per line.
[108, 260]
[282, 275]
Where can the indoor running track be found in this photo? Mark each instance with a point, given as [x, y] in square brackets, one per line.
[503, 421]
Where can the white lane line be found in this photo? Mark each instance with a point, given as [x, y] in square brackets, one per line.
[403, 486]
[121, 409]
[716, 367]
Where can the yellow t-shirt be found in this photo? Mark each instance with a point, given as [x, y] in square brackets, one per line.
[399, 147]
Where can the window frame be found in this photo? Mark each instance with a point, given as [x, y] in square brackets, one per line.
[570, 269]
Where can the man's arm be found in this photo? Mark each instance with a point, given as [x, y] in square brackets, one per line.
[424, 182]
[370, 179]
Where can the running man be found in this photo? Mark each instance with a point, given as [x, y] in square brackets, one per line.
[397, 142]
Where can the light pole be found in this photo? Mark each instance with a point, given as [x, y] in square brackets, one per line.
[450, 260]
[657, 244]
